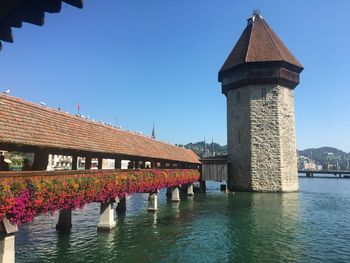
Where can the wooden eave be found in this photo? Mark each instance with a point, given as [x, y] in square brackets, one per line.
[14, 12]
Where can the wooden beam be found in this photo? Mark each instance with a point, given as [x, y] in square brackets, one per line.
[99, 164]
[33, 14]
[76, 3]
[41, 160]
[12, 21]
[8, 6]
[74, 162]
[88, 162]
[6, 33]
[117, 163]
[51, 6]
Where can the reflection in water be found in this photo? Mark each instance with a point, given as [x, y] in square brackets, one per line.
[63, 245]
[309, 226]
[263, 227]
[105, 240]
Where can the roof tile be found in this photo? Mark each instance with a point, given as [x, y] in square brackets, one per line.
[258, 43]
[26, 123]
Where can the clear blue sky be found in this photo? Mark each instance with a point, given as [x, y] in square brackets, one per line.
[157, 61]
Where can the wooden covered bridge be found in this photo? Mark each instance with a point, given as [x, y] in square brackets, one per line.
[33, 128]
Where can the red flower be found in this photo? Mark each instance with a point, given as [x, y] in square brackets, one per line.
[20, 202]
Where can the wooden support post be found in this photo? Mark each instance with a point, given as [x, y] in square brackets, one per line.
[155, 165]
[142, 165]
[107, 221]
[131, 165]
[223, 187]
[64, 220]
[7, 248]
[121, 206]
[202, 186]
[190, 189]
[117, 163]
[153, 201]
[41, 160]
[6, 228]
[99, 164]
[175, 194]
[87, 162]
[7, 241]
[169, 192]
[74, 162]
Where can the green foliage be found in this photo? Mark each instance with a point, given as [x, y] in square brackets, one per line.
[210, 148]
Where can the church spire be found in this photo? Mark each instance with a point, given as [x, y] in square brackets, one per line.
[153, 133]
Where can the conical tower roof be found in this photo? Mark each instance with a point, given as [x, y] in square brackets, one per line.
[258, 43]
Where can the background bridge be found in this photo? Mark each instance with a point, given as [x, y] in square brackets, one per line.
[337, 173]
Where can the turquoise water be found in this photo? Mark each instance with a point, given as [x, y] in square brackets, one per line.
[310, 226]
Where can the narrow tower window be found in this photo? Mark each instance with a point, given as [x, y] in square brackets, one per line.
[238, 97]
[263, 93]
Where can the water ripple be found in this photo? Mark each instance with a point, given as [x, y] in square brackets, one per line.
[309, 226]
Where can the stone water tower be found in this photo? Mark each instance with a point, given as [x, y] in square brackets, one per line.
[258, 79]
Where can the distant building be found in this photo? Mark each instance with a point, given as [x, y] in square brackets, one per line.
[59, 162]
[306, 163]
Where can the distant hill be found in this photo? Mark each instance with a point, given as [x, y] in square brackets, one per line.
[210, 149]
[325, 156]
[328, 156]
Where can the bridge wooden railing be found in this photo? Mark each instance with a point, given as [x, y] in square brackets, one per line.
[15, 176]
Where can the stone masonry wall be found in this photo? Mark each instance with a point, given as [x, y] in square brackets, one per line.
[290, 181]
[265, 158]
[265, 139]
[238, 150]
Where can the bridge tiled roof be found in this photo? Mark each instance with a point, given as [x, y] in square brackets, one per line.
[24, 123]
[258, 43]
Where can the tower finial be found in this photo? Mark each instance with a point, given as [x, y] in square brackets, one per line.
[256, 12]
